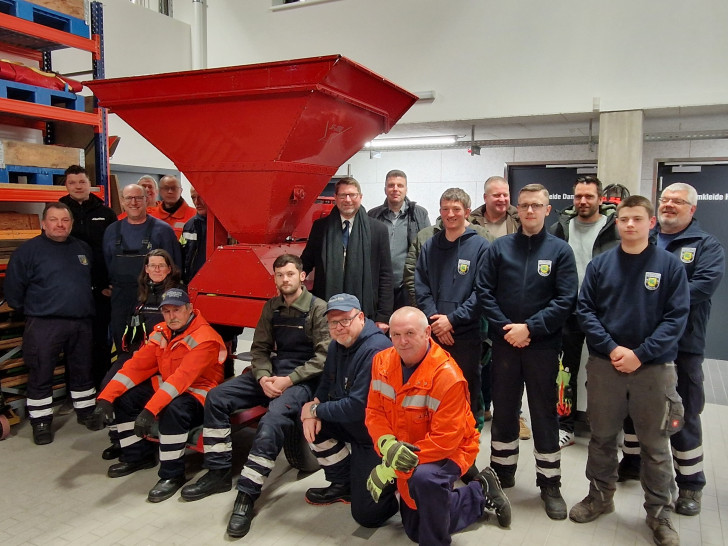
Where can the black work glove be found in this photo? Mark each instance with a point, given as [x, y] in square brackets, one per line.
[102, 415]
[143, 424]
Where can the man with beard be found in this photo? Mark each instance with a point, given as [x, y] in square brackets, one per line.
[704, 259]
[590, 228]
[349, 252]
[289, 349]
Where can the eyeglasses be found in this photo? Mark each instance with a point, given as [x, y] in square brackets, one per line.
[351, 196]
[535, 206]
[157, 267]
[134, 198]
[678, 202]
[334, 324]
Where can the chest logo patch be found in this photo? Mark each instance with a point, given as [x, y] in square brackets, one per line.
[463, 266]
[652, 280]
[687, 255]
[544, 268]
[83, 259]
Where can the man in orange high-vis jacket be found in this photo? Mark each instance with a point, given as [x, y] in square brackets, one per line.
[418, 415]
[166, 380]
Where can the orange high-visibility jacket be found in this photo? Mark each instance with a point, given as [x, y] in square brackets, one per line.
[431, 411]
[177, 219]
[190, 362]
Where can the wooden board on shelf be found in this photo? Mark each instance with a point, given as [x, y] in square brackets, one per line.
[15, 221]
[74, 8]
[39, 155]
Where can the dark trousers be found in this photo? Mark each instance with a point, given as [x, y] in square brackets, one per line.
[242, 392]
[511, 368]
[441, 509]
[352, 464]
[687, 444]
[176, 420]
[485, 378]
[101, 349]
[572, 343]
[43, 340]
[466, 353]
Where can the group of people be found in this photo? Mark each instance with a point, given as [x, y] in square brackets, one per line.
[381, 363]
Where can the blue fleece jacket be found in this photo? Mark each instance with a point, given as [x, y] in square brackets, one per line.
[445, 280]
[529, 280]
[703, 257]
[344, 385]
[639, 301]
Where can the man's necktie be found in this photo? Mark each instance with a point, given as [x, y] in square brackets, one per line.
[345, 233]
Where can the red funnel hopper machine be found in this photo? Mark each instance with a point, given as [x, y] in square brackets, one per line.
[259, 143]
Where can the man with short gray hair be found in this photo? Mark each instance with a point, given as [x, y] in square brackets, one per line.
[497, 214]
[172, 209]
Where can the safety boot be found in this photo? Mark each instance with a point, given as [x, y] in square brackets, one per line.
[663, 533]
[217, 480]
[688, 502]
[336, 492]
[495, 498]
[554, 503]
[590, 509]
[242, 515]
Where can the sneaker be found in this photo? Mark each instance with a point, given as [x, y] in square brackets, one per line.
[495, 498]
[554, 503]
[629, 469]
[663, 533]
[524, 433]
[566, 438]
[688, 502]
[590, 509]
[336, 492]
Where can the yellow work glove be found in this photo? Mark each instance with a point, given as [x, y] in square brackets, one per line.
[378, 479]
[399, 455]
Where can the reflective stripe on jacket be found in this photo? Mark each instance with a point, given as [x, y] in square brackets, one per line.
[431, 411]
[190, 362]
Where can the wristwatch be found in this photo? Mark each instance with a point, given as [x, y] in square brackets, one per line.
[312, 409]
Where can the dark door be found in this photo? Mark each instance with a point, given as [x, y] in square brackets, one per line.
[712, 186]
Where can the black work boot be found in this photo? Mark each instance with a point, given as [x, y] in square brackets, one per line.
[217, 480]
[124, 469]
[495, 498]
[688, 502]
[336, 492]
[554, 503]
[112, 452]
[165, 488]
[42, 433]
[242, 515]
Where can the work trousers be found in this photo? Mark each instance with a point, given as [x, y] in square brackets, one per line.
[176, 420]
[687, 444]
[572, 343]
[511, 368]
[44, 339]
[352, 464]
[646, 394]
[441, 509]
[101, 349]
[466, 353]
[242, 392]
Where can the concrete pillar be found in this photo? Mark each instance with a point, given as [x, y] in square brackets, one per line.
[620, 149]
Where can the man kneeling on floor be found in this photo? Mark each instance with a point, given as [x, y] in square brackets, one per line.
[167, 379]
[289, 350]
[335, 417]
[418, 414]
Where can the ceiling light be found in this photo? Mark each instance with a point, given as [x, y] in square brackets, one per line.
[411, 142]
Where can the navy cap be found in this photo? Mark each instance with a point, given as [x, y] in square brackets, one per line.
[342, 302]
[175, 296]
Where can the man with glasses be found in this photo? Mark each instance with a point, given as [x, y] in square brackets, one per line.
[333, 423]
[172, 209]
[527, 288]
[703, 257]
[349, 253]
[289, 348]
[590, 228]
[126, 243]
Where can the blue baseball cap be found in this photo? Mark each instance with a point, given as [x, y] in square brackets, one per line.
[175, 296]
[342, 302]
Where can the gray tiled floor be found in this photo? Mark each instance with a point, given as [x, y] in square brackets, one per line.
[716, 381]
[59, 494]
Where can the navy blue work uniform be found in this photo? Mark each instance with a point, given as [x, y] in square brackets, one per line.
[293, 349]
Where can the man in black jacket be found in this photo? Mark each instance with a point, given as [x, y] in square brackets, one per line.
[350, 254]
[404, 219]
[90, 220]
[590, 228]
[527, 287]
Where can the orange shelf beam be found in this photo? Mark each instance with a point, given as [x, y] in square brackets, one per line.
[50, 35]
[50, 113]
